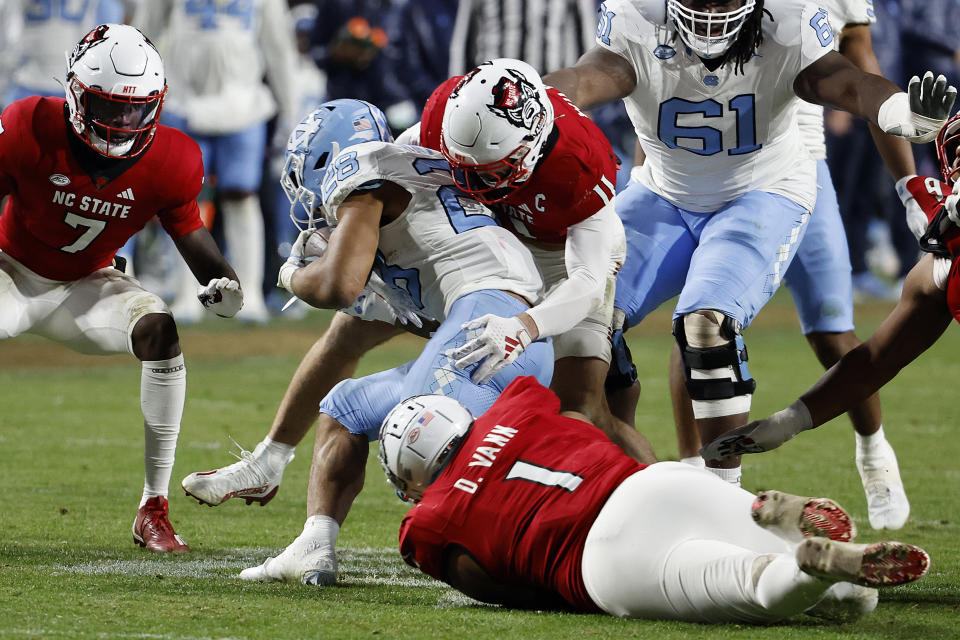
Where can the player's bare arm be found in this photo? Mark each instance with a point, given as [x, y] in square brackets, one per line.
[464, 573]
[336, 279]
[598, 77]
[919, 319]
[200, 252]
[917, 114]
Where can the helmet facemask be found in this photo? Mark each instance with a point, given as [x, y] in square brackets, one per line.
[114, 125]
[710, 34]
[948, 150]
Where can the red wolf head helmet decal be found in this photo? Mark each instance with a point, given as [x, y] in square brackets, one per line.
[515, 99]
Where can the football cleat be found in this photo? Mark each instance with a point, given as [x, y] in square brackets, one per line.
[306, 560]
[881, 564]
[887, 504]
[249, 478]
[844, 602]
[795, 518]
[152, 528]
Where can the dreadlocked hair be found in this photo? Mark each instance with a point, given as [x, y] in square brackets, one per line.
[749, 39]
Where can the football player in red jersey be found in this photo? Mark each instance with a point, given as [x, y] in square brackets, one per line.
[930, 299]
[83, 175]
[548, 173]
[530, 507]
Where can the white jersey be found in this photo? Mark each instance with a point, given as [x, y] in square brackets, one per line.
[711, 136]
[444, 244]
[40, 34]
[216, 55]
[841, 13]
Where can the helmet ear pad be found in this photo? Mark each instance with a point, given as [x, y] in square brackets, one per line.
[418, 438]
[495, 125]
[115, 90]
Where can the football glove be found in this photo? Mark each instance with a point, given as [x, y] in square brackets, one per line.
[500, 342]
[918, 114]
[399, 302]
[760, 435]
[297, 257]
[223, 296]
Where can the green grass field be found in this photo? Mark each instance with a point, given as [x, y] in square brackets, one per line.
[71, 446]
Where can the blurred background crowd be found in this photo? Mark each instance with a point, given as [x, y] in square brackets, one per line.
[241, 73]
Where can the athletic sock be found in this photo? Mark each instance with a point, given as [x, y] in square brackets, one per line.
[163, 389]
[867, 445]
[694, 461]
[728, 475]
[275, 455]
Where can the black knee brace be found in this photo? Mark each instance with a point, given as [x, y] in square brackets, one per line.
[731, 354]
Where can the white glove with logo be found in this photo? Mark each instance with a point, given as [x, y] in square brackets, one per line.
[502, 340]
[918, 114]
[223, 296]
[916, 218]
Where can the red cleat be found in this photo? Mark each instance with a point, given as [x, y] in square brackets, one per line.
[152, 528]
[795, 518]
[881, 564]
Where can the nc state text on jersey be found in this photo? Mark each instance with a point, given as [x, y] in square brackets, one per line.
[91, 205]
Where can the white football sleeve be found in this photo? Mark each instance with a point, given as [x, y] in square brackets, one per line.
[589, 259]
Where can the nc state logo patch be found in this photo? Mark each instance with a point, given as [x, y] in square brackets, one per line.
[515, 99]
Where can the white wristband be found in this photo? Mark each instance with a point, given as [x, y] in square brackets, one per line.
[902, 191]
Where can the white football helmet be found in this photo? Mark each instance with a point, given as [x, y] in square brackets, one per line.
[418, 438]
[115, 90]
[495, 124]
[710, 33]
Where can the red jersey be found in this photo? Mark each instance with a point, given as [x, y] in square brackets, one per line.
[64, 223]
[575, 179]
[930, 194]
[521, 495]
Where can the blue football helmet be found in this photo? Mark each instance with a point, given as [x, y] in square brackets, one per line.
[316, 141]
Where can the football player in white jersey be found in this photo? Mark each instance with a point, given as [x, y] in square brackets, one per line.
[819, 280]
[394, 210]
[727, 188]
[219, 54]
[38, 29]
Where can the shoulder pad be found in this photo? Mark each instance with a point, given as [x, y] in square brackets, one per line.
[367, 165]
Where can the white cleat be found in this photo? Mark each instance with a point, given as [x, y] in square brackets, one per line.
[887, 504]
[247, 479]
[306, 560]
[845, 602]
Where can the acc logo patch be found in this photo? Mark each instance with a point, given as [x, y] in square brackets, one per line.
[59, 179]
[664, 52]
